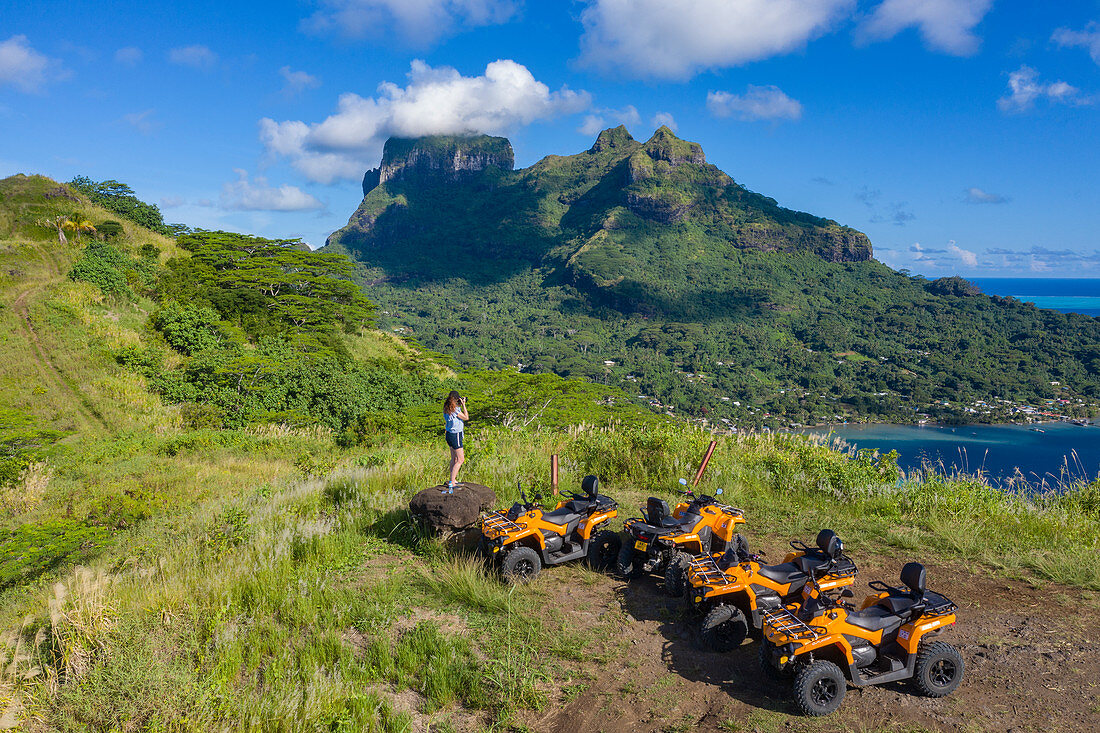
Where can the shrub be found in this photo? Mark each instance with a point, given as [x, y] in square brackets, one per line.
[105, 266]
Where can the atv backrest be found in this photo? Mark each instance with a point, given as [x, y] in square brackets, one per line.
[590, 485]
[912, 575]
[829, 543]
[656, 510]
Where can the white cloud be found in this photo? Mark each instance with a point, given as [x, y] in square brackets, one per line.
[197, 57]
[1088, 38]
[172, 202]
[666, 119]
[130, 56]
[945, 25]
[967, 257]
[297, 82]
[1025, 89]
[598, 121]
[674, 39]
[143, 122]
[975, 195]
[436, 101]
[24, 68]
[419, 22]
[256, 195]
[757, 103]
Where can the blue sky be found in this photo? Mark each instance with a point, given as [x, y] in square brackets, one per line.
[960, 135]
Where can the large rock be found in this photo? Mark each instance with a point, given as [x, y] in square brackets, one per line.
[449, 513]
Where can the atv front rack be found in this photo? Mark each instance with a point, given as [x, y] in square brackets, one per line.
[732, 511]
[499, 524]
[785, 622]
[707, 569]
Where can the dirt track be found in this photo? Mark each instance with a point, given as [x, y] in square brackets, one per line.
[1032, 663]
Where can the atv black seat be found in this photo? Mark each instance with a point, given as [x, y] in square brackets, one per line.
[588, 506]
[563, 516]
[787, 572]
[658, 514]
[878, 618]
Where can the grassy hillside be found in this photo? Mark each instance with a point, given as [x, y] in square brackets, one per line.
[641, 266]
[156, 576]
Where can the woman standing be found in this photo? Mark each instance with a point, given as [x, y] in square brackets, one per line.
[454, 418]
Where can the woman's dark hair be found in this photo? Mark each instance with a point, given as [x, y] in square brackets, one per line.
[451, 403]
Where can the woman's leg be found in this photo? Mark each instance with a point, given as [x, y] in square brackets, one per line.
[458, 457]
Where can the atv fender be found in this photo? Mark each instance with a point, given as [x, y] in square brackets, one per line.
[910, 635]
[589, 526]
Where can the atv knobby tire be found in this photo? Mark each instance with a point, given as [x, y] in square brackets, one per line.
[819, 688]
[770, 670]
[939, 669]
[676, 574]
[724, 629]
[603, 550]
[520, 565]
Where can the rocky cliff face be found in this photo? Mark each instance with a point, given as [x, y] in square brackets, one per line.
[440, 158]
[608, 212]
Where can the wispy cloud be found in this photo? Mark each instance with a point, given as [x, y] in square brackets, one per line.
[666, 119]
[675, 39]
[143, 121]
[966, 256]
[436, 101]
[601, 119]
[975, 195]
[420, 23]
[1089, 38]
[24, 68]
[757, 103]
[129, 56]
[944, 25]
[197, 57]
[257, 195]
[1025, 89]
[296, 82]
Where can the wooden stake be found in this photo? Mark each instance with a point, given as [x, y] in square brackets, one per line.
[706, 460]
[554, 474]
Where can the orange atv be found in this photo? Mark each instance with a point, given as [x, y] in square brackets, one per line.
[665, 542]
[734, 590]
[526, 537]
[827, 644]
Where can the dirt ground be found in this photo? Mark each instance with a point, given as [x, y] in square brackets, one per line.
[1032, 663]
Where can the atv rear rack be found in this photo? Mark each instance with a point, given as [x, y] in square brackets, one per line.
[707, 569]
[941, 607]
[784, 621]
[499, 524]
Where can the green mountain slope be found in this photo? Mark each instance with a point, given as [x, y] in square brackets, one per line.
[639, 264]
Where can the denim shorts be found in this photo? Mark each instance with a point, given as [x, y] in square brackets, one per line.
[454, 440]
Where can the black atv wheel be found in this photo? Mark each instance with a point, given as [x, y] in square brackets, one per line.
[676, 574]
[939, 669]
[819, 688]
[630, 562]
[483, 550]
[603, 550]
[768, 668]
[723, 629]
[520, 565]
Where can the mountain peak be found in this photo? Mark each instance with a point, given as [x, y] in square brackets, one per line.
[439, 157]
[611, 138]
[664, 145]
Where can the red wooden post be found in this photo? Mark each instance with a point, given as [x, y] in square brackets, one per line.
[706, 460]
[554, 474]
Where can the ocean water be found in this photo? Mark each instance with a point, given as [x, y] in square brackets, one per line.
[1069, 295]
[1061, 452]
